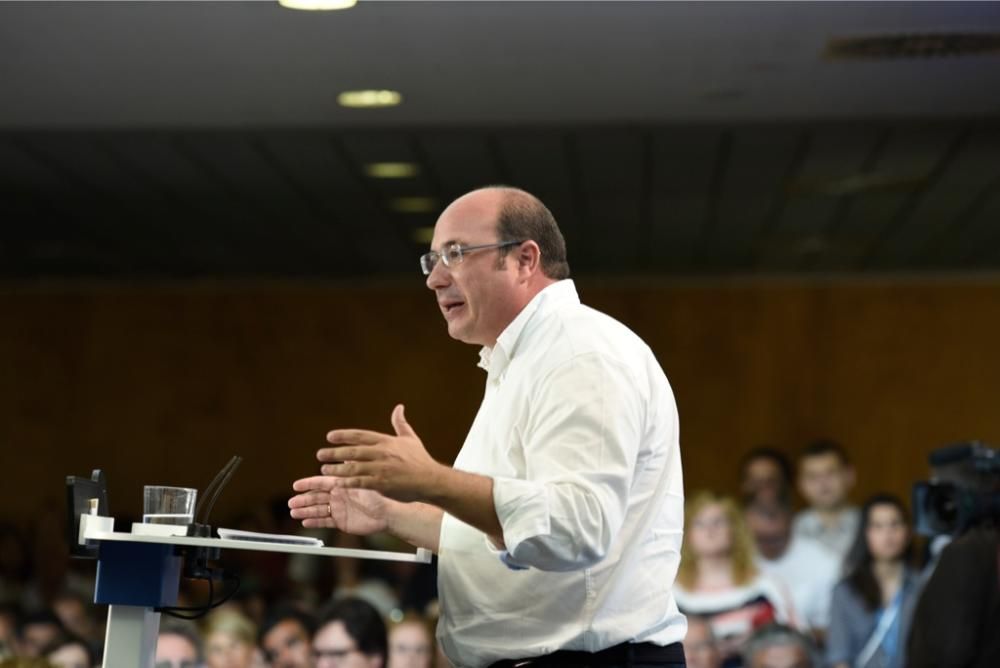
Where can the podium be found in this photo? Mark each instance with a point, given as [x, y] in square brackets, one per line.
[138, 573]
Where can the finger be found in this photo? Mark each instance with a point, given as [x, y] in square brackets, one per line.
[399, 422]
[346, 470]
[364, 453]
[313, 483]
[309, 499]
[354, 437]
[319, 524]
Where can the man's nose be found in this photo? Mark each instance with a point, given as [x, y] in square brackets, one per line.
[439, 276]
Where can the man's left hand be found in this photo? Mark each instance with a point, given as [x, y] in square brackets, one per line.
[398, 466]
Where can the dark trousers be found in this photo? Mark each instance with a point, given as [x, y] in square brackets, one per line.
[626, 655]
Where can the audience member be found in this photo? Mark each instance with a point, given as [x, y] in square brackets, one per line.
[178, 644]
[286, 638]
[37, 631]
[75, 613]
[411, 644]
[777, 646]
[766, 476]
[700, 647]
[69, 651]
[809, 570]
[825, 479]
[351, 634]
[10, 622]
[230, 640]
[869, 615]
[717, 577]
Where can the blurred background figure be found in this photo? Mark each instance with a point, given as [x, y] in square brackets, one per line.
[825, 479]
[718, 578]
[178, 644]
[411, 644]
[69, 651]
[230, 640]
[808, 569]
[700, 648]
[766, 476]
[777, 646]
[350, 634]
[37, 631]
[872, 605]
[286, 638]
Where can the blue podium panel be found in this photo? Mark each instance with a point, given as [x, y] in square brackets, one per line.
[141, 574]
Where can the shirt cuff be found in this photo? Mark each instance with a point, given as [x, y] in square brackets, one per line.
[522, 508]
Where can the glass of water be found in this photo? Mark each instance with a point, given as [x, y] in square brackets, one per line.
[168, 505]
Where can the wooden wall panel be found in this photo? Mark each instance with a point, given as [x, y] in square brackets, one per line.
[160, 384]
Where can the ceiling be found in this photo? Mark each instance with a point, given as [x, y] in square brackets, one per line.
[161, 140]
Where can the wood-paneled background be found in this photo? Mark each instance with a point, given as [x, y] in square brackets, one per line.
[162, 383]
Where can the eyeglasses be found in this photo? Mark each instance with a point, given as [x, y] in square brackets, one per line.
[331, 655]
[454, 253]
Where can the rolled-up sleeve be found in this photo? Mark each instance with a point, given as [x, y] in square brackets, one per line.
[580, 443]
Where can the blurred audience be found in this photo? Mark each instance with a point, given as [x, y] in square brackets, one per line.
[718, 578]
[286, 638]
[69, 651]
[766, 476]
[411, 644]
[37, 631]
[872, 605]
[777, 646]
[825, 479]
[351, 634]
[230, 640]
[808, 569]
[700, 647]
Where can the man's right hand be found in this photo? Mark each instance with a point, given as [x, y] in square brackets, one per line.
[320, 503]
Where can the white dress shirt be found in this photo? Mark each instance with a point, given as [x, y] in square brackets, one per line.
[810, 571]
[578, 429]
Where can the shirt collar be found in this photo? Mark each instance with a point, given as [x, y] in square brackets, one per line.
[494, 360]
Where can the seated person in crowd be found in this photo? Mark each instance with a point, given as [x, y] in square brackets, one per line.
[700, 647]
[178, 644]
[718, 579]
[766, 476]
[230, 640]
[351, 634]
[778, 646]
[37, 631]
[69, 651]
[286, 638]
[809, 570]
[873, 604]
[825, 479]
[411, 644]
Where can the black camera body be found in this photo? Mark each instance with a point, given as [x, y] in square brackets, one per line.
[964, 490]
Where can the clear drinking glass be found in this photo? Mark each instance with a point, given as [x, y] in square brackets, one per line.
[168, 505]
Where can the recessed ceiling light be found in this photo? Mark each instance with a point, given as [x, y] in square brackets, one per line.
[392, 170]
[318, 5]
[413, 204]
[423, 235]
[369, 98]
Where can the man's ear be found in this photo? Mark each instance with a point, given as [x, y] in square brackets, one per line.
[529, 258]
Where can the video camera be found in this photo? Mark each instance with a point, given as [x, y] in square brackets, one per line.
[963, 491]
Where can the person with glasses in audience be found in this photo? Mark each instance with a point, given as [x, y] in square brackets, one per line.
[178, 645]
[351, 634]
[558, 528]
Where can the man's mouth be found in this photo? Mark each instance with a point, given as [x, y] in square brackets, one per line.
[451, 306]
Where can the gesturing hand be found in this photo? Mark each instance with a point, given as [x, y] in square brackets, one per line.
[321, 503]
[397, 466]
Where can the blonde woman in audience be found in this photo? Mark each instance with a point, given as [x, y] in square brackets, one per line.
[230, 641]
[411, 644]
[717, 578]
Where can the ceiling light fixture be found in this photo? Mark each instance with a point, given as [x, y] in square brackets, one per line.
[318, 5]
[360, 99]
[392, 170]
[413, 204]
[423, 235]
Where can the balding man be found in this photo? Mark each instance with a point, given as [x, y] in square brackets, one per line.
[558, 528]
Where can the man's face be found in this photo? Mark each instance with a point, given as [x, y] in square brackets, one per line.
[477, 296]
[825, 481]
[333, 647]
[771, 530]
[700, 649]
[763, 480]
[175, 651]
[37, 636]
[781, 656]
[286, 645]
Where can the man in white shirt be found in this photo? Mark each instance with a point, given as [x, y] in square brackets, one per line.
[825, 479]
[558, 528]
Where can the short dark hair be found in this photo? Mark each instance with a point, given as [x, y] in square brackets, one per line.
[524, 217]
[772, 454]
[825, 446]
[362, 622]
[284, 613]
[774, 635]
